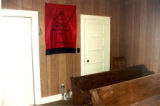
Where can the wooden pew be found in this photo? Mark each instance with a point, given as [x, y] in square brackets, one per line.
[151, 101]
[82, 85]
[128, 92]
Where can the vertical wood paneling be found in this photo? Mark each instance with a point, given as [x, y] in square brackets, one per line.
[62, 70]
[12, 4]
[76, 57]
[157, 26]
[74, 65]
[77, 71]
[115, 9]
[57, 69]
[27, 4]
[4, 4]
[142, 34]
[20, 4]
[143, 29]
[53, 75]
[69, 70]
[49, 75]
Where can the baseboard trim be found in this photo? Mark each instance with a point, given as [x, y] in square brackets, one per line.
[50, 99]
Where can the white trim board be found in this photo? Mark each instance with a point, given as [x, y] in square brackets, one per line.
[35, 48]
[50, 99]
[0, 4]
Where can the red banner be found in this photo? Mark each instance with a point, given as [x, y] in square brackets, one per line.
[60, 28]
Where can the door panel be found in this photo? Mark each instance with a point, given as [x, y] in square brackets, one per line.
[94, 43]
[95, 26]
[17, 62]
[96, 47]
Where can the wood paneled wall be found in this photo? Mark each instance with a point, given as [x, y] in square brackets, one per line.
[57, 69]
[142, 33]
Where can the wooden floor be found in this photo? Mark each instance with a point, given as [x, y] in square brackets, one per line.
[58, 103]
[151, 101]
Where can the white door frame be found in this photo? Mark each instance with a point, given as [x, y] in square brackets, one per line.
[35, 46]
[82, 18]
[35, 49]
[0, 4]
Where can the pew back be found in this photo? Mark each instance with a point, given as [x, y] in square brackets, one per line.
[127, 92]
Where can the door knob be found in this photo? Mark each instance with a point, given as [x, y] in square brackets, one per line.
[87, 61]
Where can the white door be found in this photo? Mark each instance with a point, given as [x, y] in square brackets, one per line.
[16, 69]
[95, 44]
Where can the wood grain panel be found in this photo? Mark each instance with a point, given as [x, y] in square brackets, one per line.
[55, 80]
[142, 34]
[20, 4]
[62, 70]
[27, 4]
[69, 70]
[115, 10]
[49, 74]
[4, 4]
[53, 75]
[77, 71]
[12, 4]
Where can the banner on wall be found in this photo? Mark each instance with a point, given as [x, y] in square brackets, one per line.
[60, 28]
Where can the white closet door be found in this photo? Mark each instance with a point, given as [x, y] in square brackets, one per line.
[95, 44]
[17, 70]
